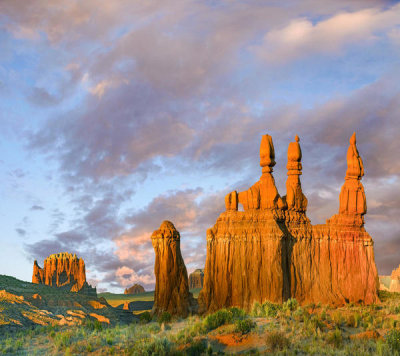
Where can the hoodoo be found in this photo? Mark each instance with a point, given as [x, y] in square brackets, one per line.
[172, 289]
[270, 251]
[63, 270]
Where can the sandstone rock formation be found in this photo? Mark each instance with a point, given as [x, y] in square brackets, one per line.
[270, 251]
[172, 289]
[196, 279]
[391, 283]
[63, 270]
[135, 289]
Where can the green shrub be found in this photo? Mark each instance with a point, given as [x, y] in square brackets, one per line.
[145, 317]
[165, 317]
[393, 340]
[63, 339]
[335, 338]
[157, 346]
[244, 326]
[196, 348]
[257, 310]
[270, 309]
[291, 304]
[215, 320]
[276, 340]
[237, 313]
[93, 325]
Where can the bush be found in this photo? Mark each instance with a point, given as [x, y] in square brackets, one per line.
[257, 309]
[237, 313]
[244, 326]
[271, 309]
[393, 340]
[276, 340]
[197, 347]
[165, 318]
[160, 347]
[217, 319]
[335, 338]
[291, 304]
[93, 325]
[145, 317]
[63, 339]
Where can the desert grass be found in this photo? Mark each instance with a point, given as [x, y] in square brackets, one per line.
[287, 329]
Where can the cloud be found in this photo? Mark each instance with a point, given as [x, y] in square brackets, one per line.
[36, 208]
[303, 38]
[20, 232]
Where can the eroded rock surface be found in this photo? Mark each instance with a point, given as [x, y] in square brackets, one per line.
[172, 288]
[270, 251]
[63, 270]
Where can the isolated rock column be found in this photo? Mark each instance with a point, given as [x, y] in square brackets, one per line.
[172, 288]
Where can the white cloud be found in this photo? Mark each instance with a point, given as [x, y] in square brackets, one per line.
[303, 38]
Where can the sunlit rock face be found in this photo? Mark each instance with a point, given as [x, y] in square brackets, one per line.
[172, 288]
[270, 251]
[63, 270]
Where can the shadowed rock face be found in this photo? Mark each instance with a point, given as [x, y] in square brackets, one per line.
[270, 251]
[135, 289]
[172, 288]
[63, 270]
[196, 279]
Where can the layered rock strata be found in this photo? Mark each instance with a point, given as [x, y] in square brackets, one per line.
[63, 270]
[196, 279]
[270, 251]
[172, 288]
[135, 289]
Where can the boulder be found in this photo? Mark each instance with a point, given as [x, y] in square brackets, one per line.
[172, 288]
[135, 289]
[196, 279]
[63, 270]
[271, 252]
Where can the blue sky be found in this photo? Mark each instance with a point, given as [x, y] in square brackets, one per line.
[117, 117]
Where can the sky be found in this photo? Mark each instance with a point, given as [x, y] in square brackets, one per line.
[115, 116]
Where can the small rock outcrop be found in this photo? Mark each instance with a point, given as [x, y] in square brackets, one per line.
[63, 270]
[196, 279]
[135, 289]
[271, 252]
[172, 288]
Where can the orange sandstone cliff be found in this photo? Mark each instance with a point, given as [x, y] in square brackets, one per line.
[172, 289]
[63, 270]
[270, 251]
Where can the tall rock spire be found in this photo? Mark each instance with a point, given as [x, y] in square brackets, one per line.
[352, 196]
[295, 199]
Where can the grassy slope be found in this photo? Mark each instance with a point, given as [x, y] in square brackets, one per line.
[288, 328]
[118, 299]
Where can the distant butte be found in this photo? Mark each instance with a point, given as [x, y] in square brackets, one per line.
[63, 270]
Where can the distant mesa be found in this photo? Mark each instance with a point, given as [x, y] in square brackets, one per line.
[196, 279]
[63, 270]
[172, 288]
[135, 289]
[271, 252]
[391, 283]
